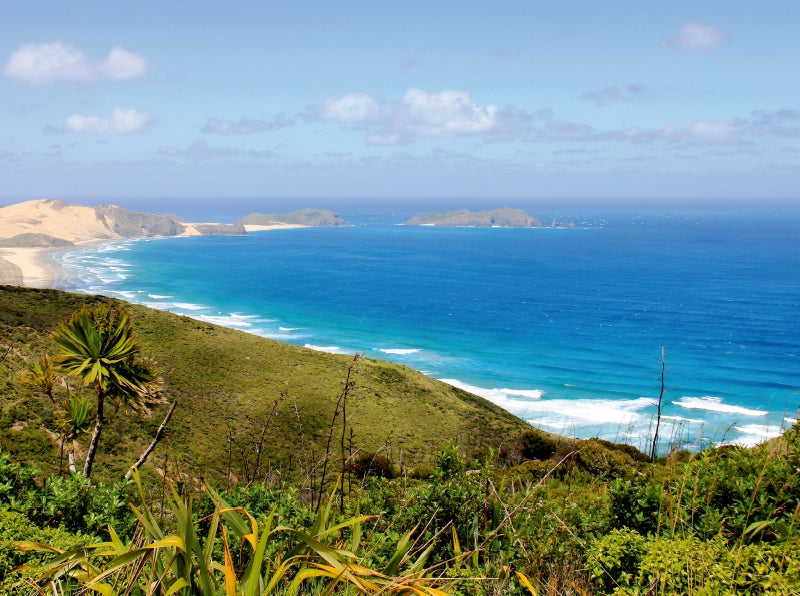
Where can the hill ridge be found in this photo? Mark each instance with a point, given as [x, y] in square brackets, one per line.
[227, 383]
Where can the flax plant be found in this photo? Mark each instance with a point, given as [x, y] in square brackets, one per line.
[186, 561]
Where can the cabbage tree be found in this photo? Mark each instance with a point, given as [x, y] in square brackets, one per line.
[99, 346]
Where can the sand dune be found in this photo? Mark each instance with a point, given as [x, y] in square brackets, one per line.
[74, 223]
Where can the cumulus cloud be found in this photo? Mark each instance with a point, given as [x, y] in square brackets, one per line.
[245, 125]
[355, 107]
[122, 121]
[121, 64]
[782, 123]
[420, 114]
[49, 62]
[444, 114]
[698, 37]
[452, 113]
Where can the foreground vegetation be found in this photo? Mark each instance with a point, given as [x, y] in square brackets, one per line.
[493, 508]
[592, 518]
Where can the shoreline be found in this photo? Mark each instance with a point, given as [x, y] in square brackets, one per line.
[29, 267]
[26, 267]
[553, 409]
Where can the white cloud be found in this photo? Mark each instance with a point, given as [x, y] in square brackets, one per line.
[121, 64]
[355, 107]
[444, 114]
[698, 37]
[58, 61]
[713, 131]
[418, 114]
[122, 121]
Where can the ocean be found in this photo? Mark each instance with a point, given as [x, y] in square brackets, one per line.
[562, 327]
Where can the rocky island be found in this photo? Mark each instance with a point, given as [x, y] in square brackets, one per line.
[497, 218]
[299, 218]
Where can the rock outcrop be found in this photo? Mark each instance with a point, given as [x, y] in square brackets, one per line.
[498, 218]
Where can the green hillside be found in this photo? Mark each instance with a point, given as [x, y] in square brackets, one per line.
[228, 383]
[546, 516]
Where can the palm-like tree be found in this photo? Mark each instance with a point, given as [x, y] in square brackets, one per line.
[99, 346]
[74, 418]
[42, 377]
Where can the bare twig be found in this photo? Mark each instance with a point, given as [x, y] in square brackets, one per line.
[156, 439]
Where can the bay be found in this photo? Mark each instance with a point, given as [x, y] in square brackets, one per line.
[563, 327]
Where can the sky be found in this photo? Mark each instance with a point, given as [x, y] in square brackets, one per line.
[376, 100]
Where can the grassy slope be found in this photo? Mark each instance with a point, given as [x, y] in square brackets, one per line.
[227, 381]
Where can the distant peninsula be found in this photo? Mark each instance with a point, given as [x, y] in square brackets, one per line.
[50, 223]
[299, 218]
[498, 218]
[47, 223]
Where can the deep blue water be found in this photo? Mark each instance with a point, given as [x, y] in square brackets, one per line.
[561, 327]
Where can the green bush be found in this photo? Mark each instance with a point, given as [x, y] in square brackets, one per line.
[534, 444]
[371, 464]
[607, 460]
[727, 490]
[624, 562]
[635, 503]
[614, 559]
[16, 527]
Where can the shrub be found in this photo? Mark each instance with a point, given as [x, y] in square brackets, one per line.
[16, 527]
[614, 559]
[635, 503]
[450, 462]
[624, 562]
[534, 444]
[371, 464]
[727, 490]
[607, 460]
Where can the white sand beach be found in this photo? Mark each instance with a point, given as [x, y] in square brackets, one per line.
[275, 226]
[75, 224]
[25, 267]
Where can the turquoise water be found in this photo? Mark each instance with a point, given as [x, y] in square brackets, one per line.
[561, 327]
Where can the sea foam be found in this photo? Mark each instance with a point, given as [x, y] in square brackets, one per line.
[714, 404]
[329, 349]
[753, 434]
[189, 306]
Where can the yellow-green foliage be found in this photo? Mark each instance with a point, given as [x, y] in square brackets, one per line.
[15, 527]
[625, 562]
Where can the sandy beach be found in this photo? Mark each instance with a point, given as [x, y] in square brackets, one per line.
[30, 268]
[48, 220]
[25, 267]
[275, 226]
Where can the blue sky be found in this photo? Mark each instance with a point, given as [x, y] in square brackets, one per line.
[527, 99]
